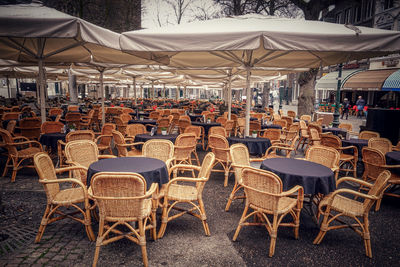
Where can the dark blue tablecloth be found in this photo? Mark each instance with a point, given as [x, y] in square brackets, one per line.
[195, 117]
[206, 126]
[393, 158]
[153, 170]
[146, 137]
[144, 122]
[315, 178]
[271, 126]
[256, 146]
[51, 140]
[359, 143]
[336, 131]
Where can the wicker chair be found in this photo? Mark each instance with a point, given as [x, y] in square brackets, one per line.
[264, 196]
[122, 145]
[240, 157]
[304, 135]
[121, 126]
[134, 129]
[125, 117]
[185, 144]
[57, 198]
[336, 205]
[160, 149]
[210, 116]
[188, 191]
[104, 138]
[122, 198]
[274, 135]
[183, 124]
[368, 135]
[82, 153]
[55, 111]
[30, 128]
[255, 126]
[382, 144]
[164, 122]
[51, 127]
[345, 158]
[291, 114]
[154, 115]
[289, 121]
[287, 148]
[19, 150]
[220, 147]
[375, 163]
[11, 126]
[10, 116]
[314, 137]
[305, 118]
[241, 122]
[217, 130]
[221, 120]
[327, 156]
[229, 125]
[73, 108]
[87, 121]
[198, 131]
[73, 118]
[71, 136]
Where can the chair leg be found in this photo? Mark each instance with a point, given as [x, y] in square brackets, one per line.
[6, 167]
[43, 224]
[273, 235]
[367, 239]
[88, 225]
[164, 219]
[142, 242]
[240, 223]
[99, 242]
[322, 231]
[204, 218]
[236, 187]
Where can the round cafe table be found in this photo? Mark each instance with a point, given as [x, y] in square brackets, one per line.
[336, 131]
[195, 117]
[144, 122]
[257, 146]
[206, 125]
[271, 126]
[153, 170]
[393, 158]
[146, 137]
[51, 139]
[315, 178]
[359, 143]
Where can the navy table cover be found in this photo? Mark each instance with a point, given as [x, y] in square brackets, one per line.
[359, 143]
[205, 125]
[256, 146]
[51, 139]
[195, 117]
[144, 122]
[271, 126]
[336, 131]
[153, 170]
[315, 178]
[393, 158]
[146, 137]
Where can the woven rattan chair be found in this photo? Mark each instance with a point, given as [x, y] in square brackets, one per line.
[71, 136]
[30, 128]
[183, 124]
[134, 129]
[185, 144]
[304, 135]
[289, 121]
[82, 153]
[291, 114]
[198, 131]
[11, 126]
[240, 157]
[121, 125]
[221, 120]
[220, 147]
[368, 135]
[285, 148]
[375, 163]
[274, 135]
[241, 122]
[327, 156]
[10, 116]
[210, 116]
[154, 115]
[345, 158]
[217, 130]
[305, 118]
[122, 198]
[382, 144]
[73, 118]
[55, 111]
[159, 149]
[56, 198]
[264, 196]
[104, 138]
[123, 144]
[51, 127]
[229, 126]
[290, 133]
[282, 123]
[87, 121]
[336, 205]
[20, 149]
[396, 147]
[188, 191]
[73, 108]
[163, 122]
[125, 117]
[314, 137]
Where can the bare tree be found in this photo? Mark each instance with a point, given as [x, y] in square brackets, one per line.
[206, 11]
[180, 7]
[268, 7]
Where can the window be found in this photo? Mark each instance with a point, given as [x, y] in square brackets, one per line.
[387, 4]
[357, 14]
[339, 18]
[347, 16]
[369, 9]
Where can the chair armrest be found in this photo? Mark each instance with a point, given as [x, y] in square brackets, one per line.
[66, 180]
[184, 166]
[184, 179]
[71, 168]
[351, 179]
[101, 136]
[61, 142]
[391, 166]
[20, 138]
[106, 156]
[349, 191]
[130, 144]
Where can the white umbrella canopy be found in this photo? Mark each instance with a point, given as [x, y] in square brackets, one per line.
[38, 34]
[259, 41]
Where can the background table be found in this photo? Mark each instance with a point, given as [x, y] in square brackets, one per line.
[51, 139]
[206, 126]
[336, 131]
[195, 117]
[359, 143]
[144, 122]
[153, 170]
[256, 146]
[146, 137]
[271, 126]
[315, 178]
[393, 158]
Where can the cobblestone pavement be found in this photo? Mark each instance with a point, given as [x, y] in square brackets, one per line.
[65, 242]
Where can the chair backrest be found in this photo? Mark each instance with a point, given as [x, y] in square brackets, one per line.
[255, 180]
[327, 156]
[127, 110]
[125, 117]
[320, 121]
[221, 120]
[55, 111]
[182, 124]
[315, 126]
[217, 130]
[377, 189]
[368, 135]
[272, 134]
[11, 126]
[80, 135]
[219, 146]
[229, 124]
[120, 140]
[373, 160]
[134, 129]
[303, 128]
[205, 169]
[73, 108]
[7, 139]
[194, 129]
[346, 126]
[30, 127]
[184, 117]
[331, 141]
[254, 126]
[382, 144]
[52, 127]
[10, 116]
[240, 156]
[210, 116]
[72, 117]
[184, 145]
[114, 194]
[291, 114]
[154, 115]
[289, 120]
[159, 149]
[305, 118]
[281, 122]
[314, 134]
[45, 170]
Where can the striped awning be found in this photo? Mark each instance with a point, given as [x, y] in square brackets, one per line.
[370, 80]
[330, 80]
[392, 83]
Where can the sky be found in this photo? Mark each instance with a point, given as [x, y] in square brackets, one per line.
[161, 9]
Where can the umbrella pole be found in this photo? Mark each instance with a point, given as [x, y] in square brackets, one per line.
[336, 114]
[103, 115]
[8, 87]
[230, 95]
[248, 103]
[134, 89]
[164, 95]
[152, 90]
[42, 94]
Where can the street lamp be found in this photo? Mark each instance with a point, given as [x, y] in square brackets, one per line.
[336, 114]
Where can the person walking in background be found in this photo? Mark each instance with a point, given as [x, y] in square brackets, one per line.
[345, 109]
[360, 106]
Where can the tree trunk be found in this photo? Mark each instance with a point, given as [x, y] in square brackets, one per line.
[307, 96]
[265, 98]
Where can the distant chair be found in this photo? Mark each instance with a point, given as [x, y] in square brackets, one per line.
[220, 147]
[327, 156]
[122, 145]
[382, 144]
[134, 129]
[305, 118]
[159, 149]
[51, 127]
[71, 136]
[368, 135]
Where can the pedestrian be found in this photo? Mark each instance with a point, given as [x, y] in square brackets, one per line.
[360, 106]
[345, 109]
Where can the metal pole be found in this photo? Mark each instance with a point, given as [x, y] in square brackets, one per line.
[134, 89]
[336, 114]
[164, 95]
[248, 103]
[229, 94]
[8, 87]
[42, 94]
[103, 115]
